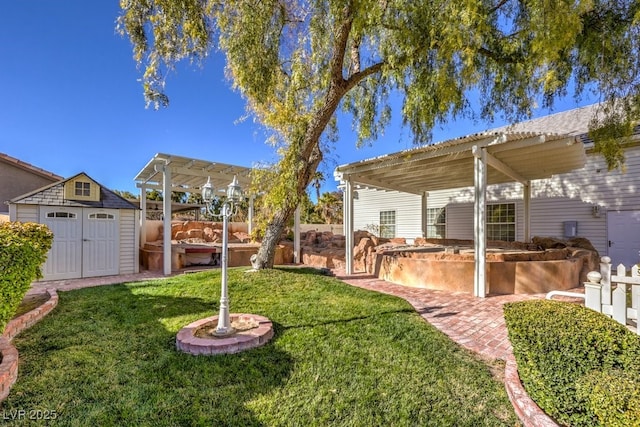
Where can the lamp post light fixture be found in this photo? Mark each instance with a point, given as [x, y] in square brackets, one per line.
[229, 208]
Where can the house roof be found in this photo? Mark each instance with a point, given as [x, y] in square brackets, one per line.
[29, 167]
[53, 195]
[574, 122]
[189, 174]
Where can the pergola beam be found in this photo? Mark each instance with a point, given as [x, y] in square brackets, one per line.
[500, 166]
[381, 184]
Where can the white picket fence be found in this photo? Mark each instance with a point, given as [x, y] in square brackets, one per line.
[615, 295]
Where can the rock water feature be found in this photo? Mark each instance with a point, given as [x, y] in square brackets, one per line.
[543, 265]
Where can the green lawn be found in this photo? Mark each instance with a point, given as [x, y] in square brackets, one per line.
[341, 356]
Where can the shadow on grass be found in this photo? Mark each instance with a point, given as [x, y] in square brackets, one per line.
[348, 320]
[107, 356]
[306, 270]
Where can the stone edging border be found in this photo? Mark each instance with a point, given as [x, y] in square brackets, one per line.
[187, 342]
[9, 363]
[526, 409]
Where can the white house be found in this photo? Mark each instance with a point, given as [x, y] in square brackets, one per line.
[524, 180]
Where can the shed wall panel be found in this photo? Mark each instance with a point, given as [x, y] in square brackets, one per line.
[128, 238]
[26, 213]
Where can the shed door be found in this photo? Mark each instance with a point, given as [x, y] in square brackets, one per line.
[85, 242]
[100, 242]
[623, 230]
[64, 260]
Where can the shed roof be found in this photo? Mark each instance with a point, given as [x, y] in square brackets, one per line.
[53, 195]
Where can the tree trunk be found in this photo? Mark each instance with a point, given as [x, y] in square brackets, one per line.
[267, 251]
[276, 226]
[308, 153]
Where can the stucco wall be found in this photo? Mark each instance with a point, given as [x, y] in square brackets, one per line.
[16, 182]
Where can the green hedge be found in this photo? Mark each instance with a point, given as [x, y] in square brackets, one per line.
[23, 250]
[581, 367]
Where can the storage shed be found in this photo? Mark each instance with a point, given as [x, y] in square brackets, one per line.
[95, 230]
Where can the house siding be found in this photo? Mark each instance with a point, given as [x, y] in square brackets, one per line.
[565, 197]
[407, 207]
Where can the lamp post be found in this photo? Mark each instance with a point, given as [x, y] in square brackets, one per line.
[229, 207]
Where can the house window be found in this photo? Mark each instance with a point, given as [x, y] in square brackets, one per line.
[104, 216]
[388, 224]
[501, 222]
[436, 222]
[83, 188]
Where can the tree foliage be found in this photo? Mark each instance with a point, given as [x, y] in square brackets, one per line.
[126, 194]
[298, 62]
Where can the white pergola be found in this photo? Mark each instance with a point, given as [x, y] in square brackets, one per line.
[168, 172]
[472, 161]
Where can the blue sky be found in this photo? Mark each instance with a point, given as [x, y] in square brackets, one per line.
[70, 102]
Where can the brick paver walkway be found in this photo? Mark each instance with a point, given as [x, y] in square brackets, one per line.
[475, 323]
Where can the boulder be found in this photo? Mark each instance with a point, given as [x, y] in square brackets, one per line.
[590, 261]
[582, 243]
[242, 237]
[549, 243]
[195, 233]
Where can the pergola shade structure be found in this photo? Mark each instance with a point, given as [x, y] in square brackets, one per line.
[167, 173]
[474, 161]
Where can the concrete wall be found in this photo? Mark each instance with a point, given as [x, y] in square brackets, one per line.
[457, 275]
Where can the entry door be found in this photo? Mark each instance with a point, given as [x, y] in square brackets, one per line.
[64, 260]
[623, 229]
[100, 242]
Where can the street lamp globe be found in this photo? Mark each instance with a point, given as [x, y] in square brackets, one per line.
[234, 191]
[207, 191]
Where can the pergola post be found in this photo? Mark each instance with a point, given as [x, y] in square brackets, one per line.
[143, 215]
[166, 220]
[479, 220]
[423, 214]
[250, 219]
[348, 225]
[526, 196]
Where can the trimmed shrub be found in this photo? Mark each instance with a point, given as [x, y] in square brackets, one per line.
[559, 347]
[613, 396]
[23, 250]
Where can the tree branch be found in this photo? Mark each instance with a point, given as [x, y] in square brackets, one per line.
[356, 78]
[341, 40]
[498, 6]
